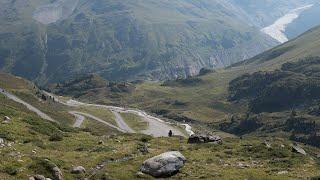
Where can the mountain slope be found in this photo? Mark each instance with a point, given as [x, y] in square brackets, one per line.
[124, 39]
[51, 41]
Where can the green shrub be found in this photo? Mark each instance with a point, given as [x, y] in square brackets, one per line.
[102, 149]
[189, 81]
[205, 71]
[11, 170]
[275, 91]
[56, 137]
[145, 139]
[7, 136]
[315, 178]
[39, 143]
[43, 127]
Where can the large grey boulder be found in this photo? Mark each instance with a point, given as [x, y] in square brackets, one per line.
[164, 165]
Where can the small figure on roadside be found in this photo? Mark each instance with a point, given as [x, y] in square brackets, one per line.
[170, 134]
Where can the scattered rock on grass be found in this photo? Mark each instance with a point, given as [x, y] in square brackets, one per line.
[6, 118]
[283, 172]
[296, 148]
[37, 177]
[140, 174]
[267, 144]
[78, 170]
[164, 165]
[198, 139]
[143, 148]
[242, 165]
[57, 174]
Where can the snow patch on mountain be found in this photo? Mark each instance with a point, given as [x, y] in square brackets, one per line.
[277, 29]
[56, 11]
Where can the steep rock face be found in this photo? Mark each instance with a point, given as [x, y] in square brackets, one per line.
[56, 11]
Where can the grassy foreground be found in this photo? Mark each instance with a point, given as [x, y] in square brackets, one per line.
[29, 140]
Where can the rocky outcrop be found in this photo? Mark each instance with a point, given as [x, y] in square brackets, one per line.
[164, 165]
[198, 139]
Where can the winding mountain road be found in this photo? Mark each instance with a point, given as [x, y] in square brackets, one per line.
[79, 119]
[29, 106]
[80, 116]
[121, 123]
[156, 128]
